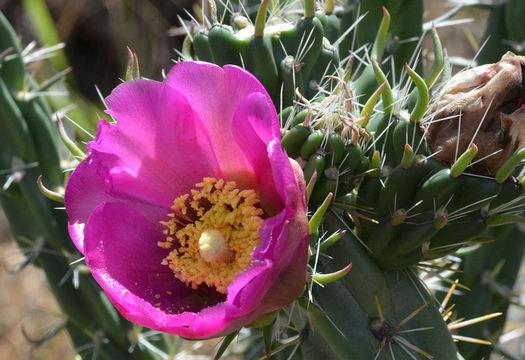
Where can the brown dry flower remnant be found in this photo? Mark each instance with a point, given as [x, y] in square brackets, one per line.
[484, 105]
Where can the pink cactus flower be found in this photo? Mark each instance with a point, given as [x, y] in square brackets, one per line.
[190, 215]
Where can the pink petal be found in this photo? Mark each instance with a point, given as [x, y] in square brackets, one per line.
[279, 271]
[122, 252]
[252, 128]
[215, 94]
[87, 189]
[151, 156]
[201, 121]
[158, 143]
[146, 292]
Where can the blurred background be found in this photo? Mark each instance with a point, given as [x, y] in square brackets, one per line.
[96, 33]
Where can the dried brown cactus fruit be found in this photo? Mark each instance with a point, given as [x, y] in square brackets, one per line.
[484, 105]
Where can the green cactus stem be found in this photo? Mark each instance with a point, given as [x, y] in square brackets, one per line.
[438, 63]
[52, 195]
[508, 167]
[325, 279]
[70, 144]
[317, 218]
[379, 43]
[332, 239]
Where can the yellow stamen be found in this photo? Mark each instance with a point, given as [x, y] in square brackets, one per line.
[212, 233]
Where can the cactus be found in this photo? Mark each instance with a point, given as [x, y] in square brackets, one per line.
[491, 284]
[490, 273]
[402, 189]
[401, 171]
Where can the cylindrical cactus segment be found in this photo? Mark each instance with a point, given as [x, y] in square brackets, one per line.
[409, 182]
[367, 313]
[276, 51]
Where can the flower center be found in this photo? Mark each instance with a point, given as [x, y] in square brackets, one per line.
[213, 247]
[212, 233]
